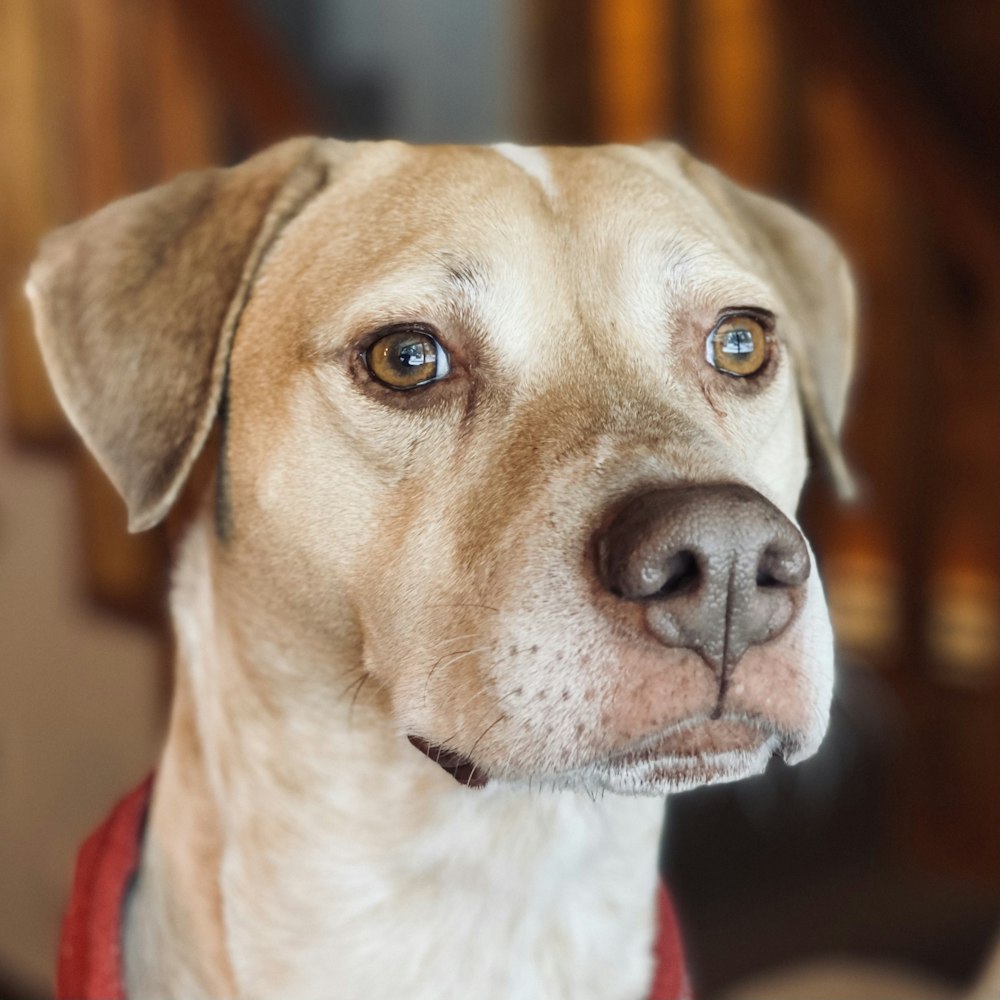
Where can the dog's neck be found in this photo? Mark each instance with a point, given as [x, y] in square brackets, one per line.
[297, 842]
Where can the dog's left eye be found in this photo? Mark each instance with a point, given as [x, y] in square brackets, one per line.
[407, 357]
[739, 345]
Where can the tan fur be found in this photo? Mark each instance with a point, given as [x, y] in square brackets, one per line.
[127, 290]
[393, 564]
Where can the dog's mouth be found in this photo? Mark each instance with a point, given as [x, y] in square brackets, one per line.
[460, 767]
[701, 739]
[696, 751]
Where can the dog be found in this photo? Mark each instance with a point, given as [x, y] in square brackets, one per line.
[498, 546]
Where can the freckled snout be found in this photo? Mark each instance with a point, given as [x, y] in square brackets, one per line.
[716, 568]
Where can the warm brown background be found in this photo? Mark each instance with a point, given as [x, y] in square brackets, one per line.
[878, 118]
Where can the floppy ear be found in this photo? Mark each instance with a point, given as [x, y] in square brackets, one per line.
[814, 281]
[136, 306]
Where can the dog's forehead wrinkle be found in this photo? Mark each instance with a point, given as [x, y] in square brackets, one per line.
[705, 278]
[465, 273]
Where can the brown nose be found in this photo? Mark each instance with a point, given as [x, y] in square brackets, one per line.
[718, 568]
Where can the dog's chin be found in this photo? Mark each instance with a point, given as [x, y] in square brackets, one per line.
[697, 751]
[693, 753]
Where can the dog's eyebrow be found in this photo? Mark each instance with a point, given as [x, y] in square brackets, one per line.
[463, 275]
[717, 277]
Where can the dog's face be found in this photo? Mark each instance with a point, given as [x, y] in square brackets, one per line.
[527, 426]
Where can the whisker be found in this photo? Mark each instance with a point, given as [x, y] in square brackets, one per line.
[471, 753]
[356, 683]
[459, 710]
[451, 657]
[456, 638]
[457, 655]
[484, 607]
[482, 735]
[355, 687]
[357, 691]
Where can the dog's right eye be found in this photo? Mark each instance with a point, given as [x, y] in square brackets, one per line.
[739, 345]
[407, 357]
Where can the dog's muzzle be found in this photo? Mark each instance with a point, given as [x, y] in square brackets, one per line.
[714, 569]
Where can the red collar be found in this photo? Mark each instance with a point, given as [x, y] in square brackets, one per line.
[670, 979]
[90, 948]
[90, 952]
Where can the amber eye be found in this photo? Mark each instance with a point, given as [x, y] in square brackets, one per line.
[739, 345]
[407, 357]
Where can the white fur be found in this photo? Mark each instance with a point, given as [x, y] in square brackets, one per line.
[532, 161]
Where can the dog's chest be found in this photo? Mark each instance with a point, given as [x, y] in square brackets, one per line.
[514, 899]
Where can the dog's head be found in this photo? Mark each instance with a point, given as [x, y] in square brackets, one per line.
[528, 425]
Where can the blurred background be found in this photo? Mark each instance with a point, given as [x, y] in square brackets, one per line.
[877, 118]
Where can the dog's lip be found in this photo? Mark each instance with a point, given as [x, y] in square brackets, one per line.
[463, 769]
[702, 739]
[697, 750]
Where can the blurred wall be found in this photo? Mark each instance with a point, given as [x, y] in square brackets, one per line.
[81, 709]
[434, 71]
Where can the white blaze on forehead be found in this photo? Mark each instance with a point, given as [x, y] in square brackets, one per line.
[532, 161]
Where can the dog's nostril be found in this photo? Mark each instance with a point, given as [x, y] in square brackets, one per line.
[766, 577]
[782, 566]
[681, 574]
[652, 578]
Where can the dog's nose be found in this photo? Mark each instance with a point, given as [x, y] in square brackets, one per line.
[718, 568]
